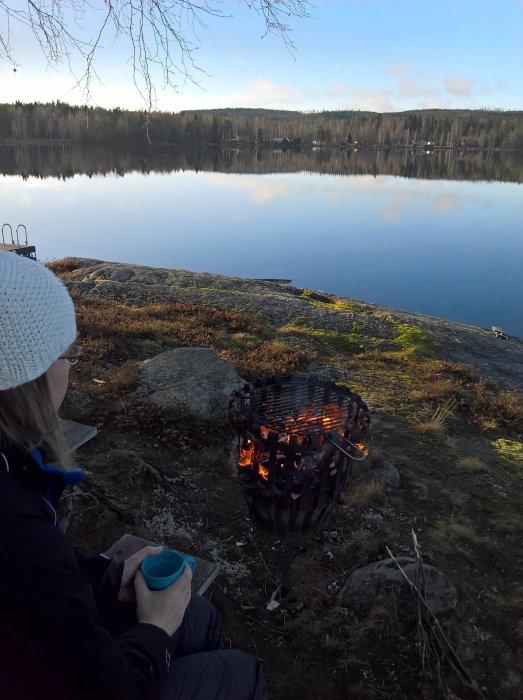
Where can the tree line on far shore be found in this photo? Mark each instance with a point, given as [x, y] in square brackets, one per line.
[58, 121]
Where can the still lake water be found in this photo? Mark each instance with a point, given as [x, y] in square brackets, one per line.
[447, 248]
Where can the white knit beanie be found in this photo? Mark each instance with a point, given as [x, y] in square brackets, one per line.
[37, 322]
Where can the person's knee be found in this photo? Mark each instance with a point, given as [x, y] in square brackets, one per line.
[246, 672]
[216, 675]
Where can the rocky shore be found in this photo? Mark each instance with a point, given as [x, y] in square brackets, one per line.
[280, 304]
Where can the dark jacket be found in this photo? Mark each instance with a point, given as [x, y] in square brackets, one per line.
[52, 642]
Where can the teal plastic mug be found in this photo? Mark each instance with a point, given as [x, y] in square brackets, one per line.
[161, 570]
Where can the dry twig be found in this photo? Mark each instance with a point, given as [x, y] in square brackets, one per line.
[434, 645]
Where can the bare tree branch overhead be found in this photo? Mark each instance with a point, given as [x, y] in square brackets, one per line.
[160, 35]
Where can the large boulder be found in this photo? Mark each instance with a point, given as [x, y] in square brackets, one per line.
[194, 380]
[381, 583]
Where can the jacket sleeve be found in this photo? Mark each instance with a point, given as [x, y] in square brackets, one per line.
[52, 625]
[103, 573]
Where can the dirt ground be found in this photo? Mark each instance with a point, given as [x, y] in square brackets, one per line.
[171, 479]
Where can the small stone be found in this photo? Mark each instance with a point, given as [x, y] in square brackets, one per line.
[383, 583]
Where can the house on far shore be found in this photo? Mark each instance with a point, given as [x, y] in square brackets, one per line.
[423, 144]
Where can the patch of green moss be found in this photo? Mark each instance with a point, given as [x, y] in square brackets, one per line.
[413, 340]
[323, 301]
[344, 343]
[509, 452]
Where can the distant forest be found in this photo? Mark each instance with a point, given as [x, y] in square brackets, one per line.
[58, 121]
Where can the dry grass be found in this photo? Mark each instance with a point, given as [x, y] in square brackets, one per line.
[271, 357]
[62, 266]
[378, 619]
[366, 495]
[471, 464]
[437, 422]
[181, 323]
[487, 405]
[125, 377]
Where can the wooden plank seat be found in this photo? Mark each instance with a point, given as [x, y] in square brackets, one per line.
[127, 545]
[76, 434]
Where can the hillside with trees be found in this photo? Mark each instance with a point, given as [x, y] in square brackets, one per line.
[58, 121]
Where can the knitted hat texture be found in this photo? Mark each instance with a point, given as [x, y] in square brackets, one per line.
[37, 321]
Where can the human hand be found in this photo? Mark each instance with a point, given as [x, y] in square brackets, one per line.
[163, 608]
[126, 594]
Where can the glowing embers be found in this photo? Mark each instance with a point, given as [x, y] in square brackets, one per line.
[293, 469]
[304, 422]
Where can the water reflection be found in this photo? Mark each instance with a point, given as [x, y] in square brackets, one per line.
[439, 246]
[68, 160]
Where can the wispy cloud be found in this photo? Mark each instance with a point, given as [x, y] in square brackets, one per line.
[458, 85]
[258, 190]
[272, 92]
[445, 202]
[408, 81]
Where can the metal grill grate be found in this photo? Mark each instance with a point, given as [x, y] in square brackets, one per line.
[301, 406]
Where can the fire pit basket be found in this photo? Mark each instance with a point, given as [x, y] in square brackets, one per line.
[297, 440]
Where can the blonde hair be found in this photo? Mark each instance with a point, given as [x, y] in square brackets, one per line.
[28, 419]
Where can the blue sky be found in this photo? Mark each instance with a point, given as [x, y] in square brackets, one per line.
[383, 55]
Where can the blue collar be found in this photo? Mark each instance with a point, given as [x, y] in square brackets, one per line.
[69, 478]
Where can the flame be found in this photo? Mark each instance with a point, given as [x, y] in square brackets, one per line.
[263, 472]
[246, 457]
[362, 447]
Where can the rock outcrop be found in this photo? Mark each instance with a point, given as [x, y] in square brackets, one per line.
[494, 359]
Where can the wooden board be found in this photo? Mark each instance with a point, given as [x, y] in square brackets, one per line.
[76, 434]
[127, 545]
[27, 250]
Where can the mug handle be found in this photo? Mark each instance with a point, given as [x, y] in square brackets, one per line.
[191, 561]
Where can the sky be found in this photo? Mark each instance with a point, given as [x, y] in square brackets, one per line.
[380, 55]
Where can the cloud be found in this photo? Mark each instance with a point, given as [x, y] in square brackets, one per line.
[373, 100]
[272, 92]
[398, 205]
[445, 202]
[339, 90]
[457, 85]
[408, 82]
[258, 190]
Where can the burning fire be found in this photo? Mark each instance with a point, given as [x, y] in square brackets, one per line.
[362, 447]
[246, 456]
[329, 417]
[327, 420]
[263, 472]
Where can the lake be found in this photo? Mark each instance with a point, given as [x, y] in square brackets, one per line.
[438, 233]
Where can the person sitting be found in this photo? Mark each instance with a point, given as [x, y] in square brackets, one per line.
[74, 626]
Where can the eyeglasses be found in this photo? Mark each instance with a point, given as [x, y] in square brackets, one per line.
[72, 355]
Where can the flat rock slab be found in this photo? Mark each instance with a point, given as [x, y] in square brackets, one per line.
[204, 573]
[195, 380]
[382, 583]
